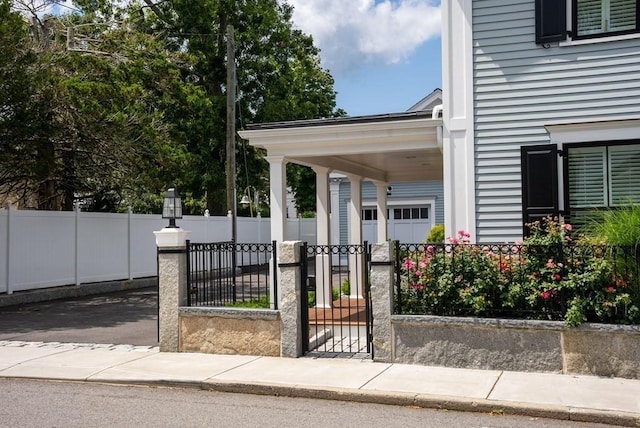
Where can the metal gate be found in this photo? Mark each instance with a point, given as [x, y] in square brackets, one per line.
[336, 299]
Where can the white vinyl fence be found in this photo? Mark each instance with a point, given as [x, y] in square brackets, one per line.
[41, 249]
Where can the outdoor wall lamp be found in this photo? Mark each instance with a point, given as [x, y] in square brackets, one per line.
[172, 207]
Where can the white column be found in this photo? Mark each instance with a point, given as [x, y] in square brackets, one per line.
[278, 196]
[355, 237]
[278, 209]
[382, 224]
[458, 133]
[334, 190]
[323, 261]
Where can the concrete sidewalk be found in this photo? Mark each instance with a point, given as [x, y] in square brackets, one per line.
[580, 398]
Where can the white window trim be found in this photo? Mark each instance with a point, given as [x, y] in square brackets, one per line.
[589, 41]
[587, 132]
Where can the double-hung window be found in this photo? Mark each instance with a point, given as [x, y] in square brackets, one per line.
[603, 176]
[589, 19]
[597, 18]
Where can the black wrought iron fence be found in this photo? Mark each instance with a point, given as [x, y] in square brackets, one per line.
[576, 283]
[337, 303]
[231, 274]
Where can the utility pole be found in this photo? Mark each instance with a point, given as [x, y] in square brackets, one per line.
[231, 131]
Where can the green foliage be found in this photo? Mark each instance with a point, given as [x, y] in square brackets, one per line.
[261, 303]
[436, 234]
[311, 299]
[619, 226]
[345, 287]
[311, 296]
[138, 102]
[548, 277]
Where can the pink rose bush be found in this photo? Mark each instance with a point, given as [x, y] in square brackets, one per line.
[548, 276]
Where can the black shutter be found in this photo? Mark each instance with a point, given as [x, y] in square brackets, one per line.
[539, 182]
[551, 21]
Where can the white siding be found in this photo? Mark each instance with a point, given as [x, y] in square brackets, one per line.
[519, 87]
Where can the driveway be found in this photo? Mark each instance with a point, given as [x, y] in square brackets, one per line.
[127, 317]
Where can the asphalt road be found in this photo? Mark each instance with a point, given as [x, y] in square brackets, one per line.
[29, 403]
[123, 318]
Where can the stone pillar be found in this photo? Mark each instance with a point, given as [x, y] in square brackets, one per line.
[382, 300]
[289, 279]
[172, 284]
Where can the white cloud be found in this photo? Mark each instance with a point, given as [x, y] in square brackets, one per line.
[355, 33]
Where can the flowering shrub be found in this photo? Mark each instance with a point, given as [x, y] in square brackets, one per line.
[549, 276]
[455, 279]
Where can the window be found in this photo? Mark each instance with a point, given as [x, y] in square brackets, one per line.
[595, 18]
[410, 213]
[370, 214]
[589, 19]
[605, 176]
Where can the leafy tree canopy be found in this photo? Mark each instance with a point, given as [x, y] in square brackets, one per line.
[110, 104]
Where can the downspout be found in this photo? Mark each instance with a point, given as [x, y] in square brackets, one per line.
[436, 113]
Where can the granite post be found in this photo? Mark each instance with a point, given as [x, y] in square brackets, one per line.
[289, 281]
[382, 300]
[172, 284]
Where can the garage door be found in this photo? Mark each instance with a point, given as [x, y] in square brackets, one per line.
[409, 224]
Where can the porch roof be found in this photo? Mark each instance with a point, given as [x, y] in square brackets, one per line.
[392, 147]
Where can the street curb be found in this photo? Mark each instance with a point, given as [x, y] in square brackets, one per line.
[75, 291]
[494, 407]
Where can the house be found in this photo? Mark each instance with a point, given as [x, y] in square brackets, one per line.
[541, 111]
[540, 116]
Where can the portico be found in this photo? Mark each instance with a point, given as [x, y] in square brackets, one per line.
[398, 147]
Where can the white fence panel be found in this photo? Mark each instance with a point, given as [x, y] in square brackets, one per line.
[42, 252]
[301, 229]
[40, 249]
[4, 245]
[207, 229]
[144, 260]
[103, 249]
[253, 230]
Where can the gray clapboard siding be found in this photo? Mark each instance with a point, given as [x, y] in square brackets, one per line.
[519, 87]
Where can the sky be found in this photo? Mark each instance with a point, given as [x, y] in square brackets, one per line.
[383, 54]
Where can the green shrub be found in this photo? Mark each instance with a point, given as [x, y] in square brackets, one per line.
[261, 303]
[345, 288]
[616, 226]
[548, 277]
[436, 234]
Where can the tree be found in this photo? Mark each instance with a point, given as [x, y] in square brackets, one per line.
[112, 104]
[278, 69]
[94, 126]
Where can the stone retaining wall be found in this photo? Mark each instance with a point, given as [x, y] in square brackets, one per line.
[231, 331]
[518, 345]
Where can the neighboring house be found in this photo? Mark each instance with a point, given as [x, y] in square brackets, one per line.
[541, 111]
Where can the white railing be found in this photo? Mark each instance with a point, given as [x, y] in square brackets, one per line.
[41, 249]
